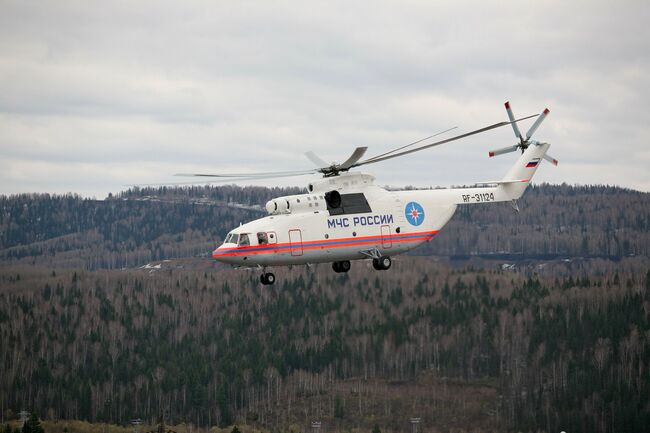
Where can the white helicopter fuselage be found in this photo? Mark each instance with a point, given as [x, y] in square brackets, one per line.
[369, 221]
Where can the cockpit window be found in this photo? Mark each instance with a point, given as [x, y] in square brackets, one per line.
[262, 239]
[243, 240]
[232, 238]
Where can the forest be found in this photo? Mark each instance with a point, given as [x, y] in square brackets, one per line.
[532, 321]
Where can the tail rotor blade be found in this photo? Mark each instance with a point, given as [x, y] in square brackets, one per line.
[550, 159]
[538, 122]
[503, 150]
[512, 119]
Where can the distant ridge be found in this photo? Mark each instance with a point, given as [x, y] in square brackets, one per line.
[141, 225]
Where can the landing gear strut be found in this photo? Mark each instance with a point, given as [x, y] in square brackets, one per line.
[267, 278]
[343, 266]
[379, 262]
[382, 263]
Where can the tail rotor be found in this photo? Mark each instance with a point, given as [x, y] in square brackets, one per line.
[523, 142]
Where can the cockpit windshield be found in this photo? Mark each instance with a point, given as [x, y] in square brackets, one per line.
[241, 240]
[232, 238]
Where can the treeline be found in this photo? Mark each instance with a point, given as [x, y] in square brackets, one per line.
[131, 229]
[30, 218]
[554, 220]
[556, 347]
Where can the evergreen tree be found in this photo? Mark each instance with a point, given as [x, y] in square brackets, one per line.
[222, 403]
[339, 409]
[375, 429]
[33, 425]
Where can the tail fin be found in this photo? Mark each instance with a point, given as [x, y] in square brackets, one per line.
[514, 183]
[519, 176]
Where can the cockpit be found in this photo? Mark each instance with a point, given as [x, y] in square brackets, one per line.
[241, 240]
[250, 239]
[231, 238]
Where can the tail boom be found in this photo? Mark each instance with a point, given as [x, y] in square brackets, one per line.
[513, 184]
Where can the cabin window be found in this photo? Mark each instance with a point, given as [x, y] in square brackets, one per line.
[243, 240]
[351, 204]
[262, 239]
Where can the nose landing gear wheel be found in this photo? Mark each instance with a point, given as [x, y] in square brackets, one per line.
[382, 263]
[267, 278]
[343, 266]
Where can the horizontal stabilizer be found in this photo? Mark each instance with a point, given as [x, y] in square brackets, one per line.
[502, 182]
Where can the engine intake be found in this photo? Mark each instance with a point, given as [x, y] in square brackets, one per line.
[333, 199]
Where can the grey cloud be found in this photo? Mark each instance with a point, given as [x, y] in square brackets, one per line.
[202, 86]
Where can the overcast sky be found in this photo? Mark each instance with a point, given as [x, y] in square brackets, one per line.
[98, 95]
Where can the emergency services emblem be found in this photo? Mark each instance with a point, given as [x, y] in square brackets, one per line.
[414, 213]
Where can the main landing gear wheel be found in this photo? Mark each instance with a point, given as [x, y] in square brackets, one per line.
[343, 266]
[382, 263]
[267, 278]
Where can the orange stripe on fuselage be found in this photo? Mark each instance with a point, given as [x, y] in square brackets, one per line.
[329, 244]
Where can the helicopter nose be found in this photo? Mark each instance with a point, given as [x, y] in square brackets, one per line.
[222, 254]
[219, 253]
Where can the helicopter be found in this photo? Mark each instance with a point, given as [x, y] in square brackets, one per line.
[344, 216]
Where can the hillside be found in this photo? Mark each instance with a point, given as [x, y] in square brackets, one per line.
[557, 346]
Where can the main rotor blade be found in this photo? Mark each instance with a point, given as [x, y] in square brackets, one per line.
[222, 180]
[503, 150]
[356, 155]
[538, 122]
[411, 144]
[318, 162]
[250, 175]
[512, 119]
[437, 143]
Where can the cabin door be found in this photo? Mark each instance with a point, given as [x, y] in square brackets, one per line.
[386, 240]
[295, 242]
